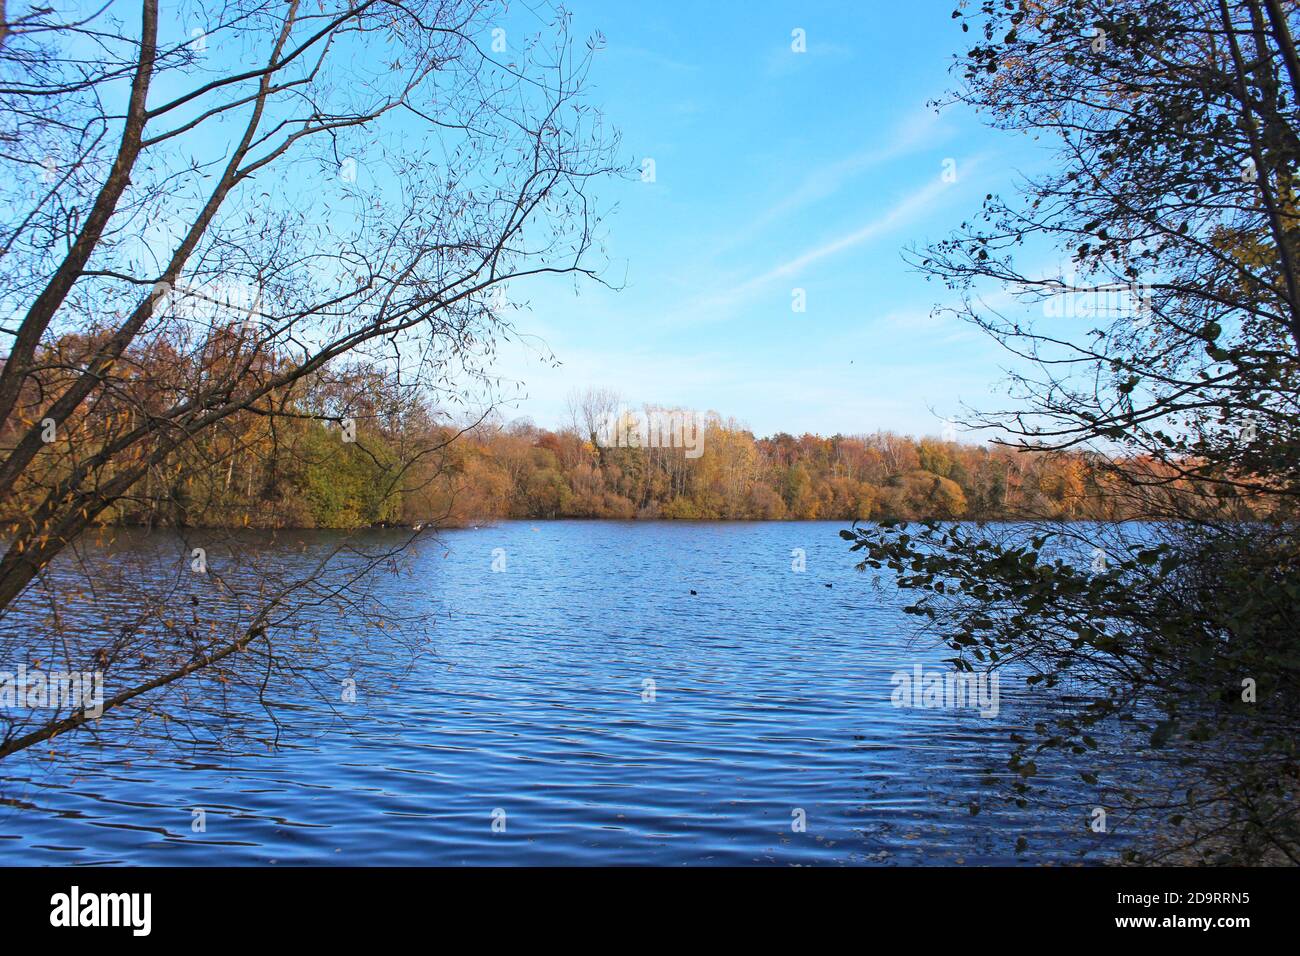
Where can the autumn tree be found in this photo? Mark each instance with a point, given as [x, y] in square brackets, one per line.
[1165, 350]
[207, 206]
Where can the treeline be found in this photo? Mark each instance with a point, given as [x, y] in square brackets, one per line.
[522, 471]
[348, 450]
[347, 447]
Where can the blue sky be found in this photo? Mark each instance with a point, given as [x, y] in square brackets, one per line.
[776, 171]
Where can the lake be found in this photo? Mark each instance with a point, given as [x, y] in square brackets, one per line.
[579, 705]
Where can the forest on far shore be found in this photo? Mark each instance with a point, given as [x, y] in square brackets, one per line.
[346, 452]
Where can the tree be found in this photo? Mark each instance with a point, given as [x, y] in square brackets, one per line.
[1167, 352]
[284, 188]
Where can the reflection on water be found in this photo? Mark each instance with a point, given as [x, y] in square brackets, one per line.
[770, 703]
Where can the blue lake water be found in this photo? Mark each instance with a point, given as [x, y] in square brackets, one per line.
[532, 708]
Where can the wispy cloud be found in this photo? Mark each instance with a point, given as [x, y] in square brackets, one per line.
[920, 130]
[654, 58]
[783, 60]
[906, 209]
[902, 211]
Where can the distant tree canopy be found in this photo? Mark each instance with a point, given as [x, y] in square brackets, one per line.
[1174, 200]
[407, 465]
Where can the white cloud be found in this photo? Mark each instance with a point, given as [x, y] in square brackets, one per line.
[920, 130]
[906, 209]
